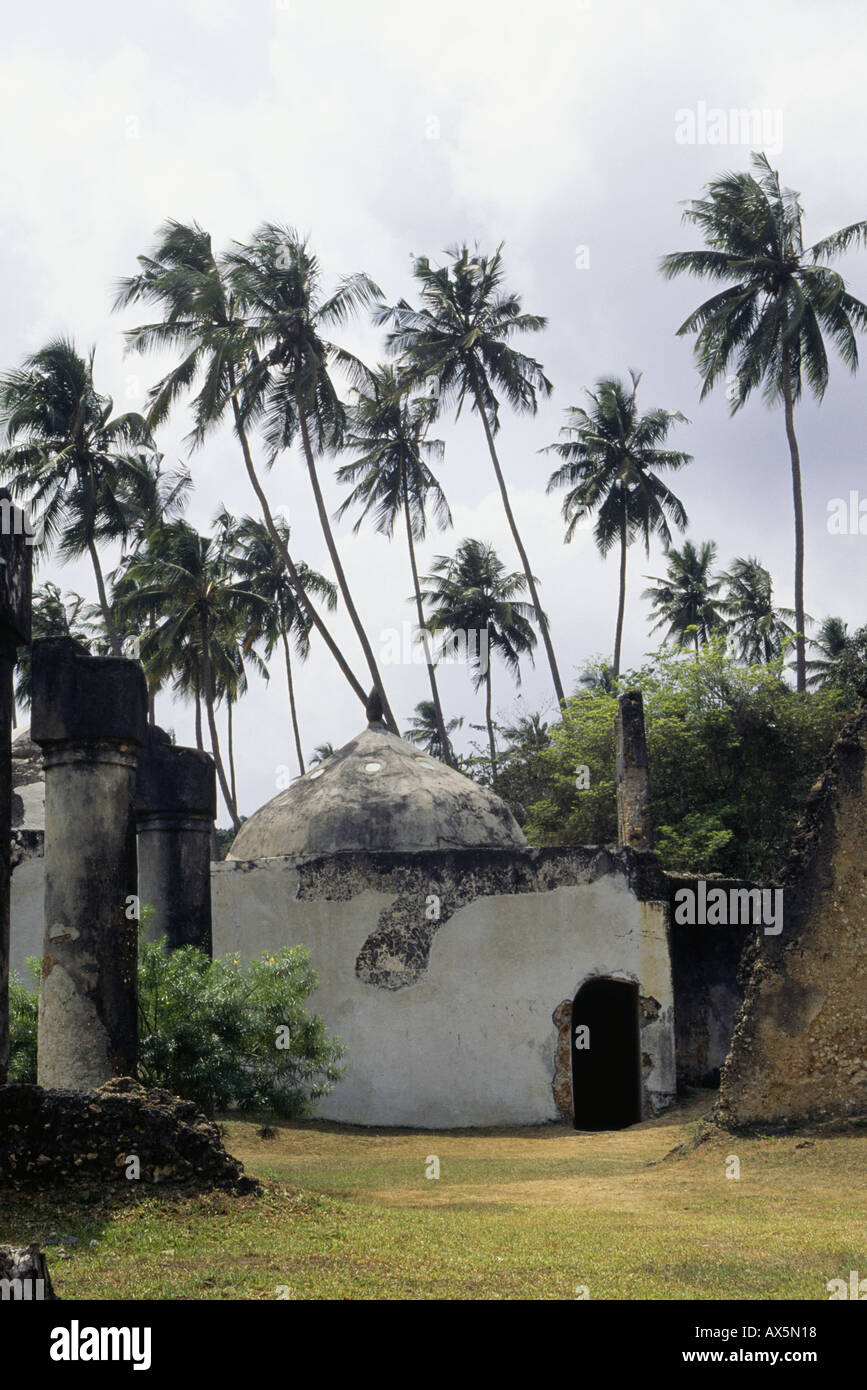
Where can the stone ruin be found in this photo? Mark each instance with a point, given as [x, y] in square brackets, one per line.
[799, 1050]
[126, 812]
[128, 818]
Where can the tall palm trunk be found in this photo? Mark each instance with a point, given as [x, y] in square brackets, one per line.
[440, 722]
[338, 567]
[104, 605]
[621, 605]
[531, 583]
[490, 723]
[295, 577]
[200, 743]
[208, 695]
[794, 451]
[231, 747]
[292, 710]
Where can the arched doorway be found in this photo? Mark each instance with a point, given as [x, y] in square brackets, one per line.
[606, 1060]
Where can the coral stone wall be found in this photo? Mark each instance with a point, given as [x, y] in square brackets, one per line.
[799, 1050]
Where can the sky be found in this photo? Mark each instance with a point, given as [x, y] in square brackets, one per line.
[573, 131]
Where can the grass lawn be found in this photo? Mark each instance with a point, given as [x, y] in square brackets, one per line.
[515, 1213]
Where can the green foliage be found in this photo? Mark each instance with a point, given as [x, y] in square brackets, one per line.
[23, 1016]
[209, 1030]
[733, 751]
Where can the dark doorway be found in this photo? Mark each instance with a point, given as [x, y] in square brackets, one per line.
[606, 1075]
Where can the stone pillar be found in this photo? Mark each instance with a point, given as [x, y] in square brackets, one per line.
[88, 715]
[15, 555]
[176, 802]
[634, 825]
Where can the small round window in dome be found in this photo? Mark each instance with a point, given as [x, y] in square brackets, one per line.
[318, 773]
[372, 767]
[433, 766]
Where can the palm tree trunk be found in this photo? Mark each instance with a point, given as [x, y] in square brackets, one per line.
[621, 605]
[338, 568]
[231, 747]
[489, 722]
[110, 627]
[208, 695]
[794, 451]
[531, 583]
[448, 756]
[200, 743]
[295, 577]
[292, 710]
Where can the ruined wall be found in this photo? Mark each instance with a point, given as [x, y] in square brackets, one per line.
[450, 1021]
[704, 965]
[799, 1051]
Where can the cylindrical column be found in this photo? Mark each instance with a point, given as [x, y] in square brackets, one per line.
[88, 715]
[88, 998]
[176, 801]
[7, 666]
[634, 818]
[15, 556]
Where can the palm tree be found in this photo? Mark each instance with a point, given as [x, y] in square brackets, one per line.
[391, 478]
[67, 454]
[471, 591]
[155, 498]
[598, 678]
[202, 318]
[832, 644]
[259, 566]
[459, 342]
[770, 318]
[609, 452]
[53, 615]
[687, 598]
[321, 753]
[425, 730]
[185, 577]
[758, 627]
[528, 735]
[286, 385]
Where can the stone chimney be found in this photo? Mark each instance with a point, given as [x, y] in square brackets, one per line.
[634, 821]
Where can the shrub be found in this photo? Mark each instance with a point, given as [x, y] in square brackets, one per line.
[230, 1038]
[23, 1015]
[213, 1032]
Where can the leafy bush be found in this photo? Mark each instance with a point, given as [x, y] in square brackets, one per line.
[212, 1032]
[230, 1038]
[23, 1016]
[733, 751]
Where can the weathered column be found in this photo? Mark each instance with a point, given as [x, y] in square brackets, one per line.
[15, 554]
[88, 715]
[176, 802]
[634, 824]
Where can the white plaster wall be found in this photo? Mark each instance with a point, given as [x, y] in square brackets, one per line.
[25, 916]
[473, 1042]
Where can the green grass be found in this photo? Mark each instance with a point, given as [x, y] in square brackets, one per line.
[523, 1213]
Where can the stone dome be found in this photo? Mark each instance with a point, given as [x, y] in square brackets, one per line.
[378, 793]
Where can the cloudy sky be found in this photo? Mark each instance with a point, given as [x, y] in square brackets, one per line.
[384, 130]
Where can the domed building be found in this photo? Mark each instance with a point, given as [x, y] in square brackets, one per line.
[378, 793]
[455, 962]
